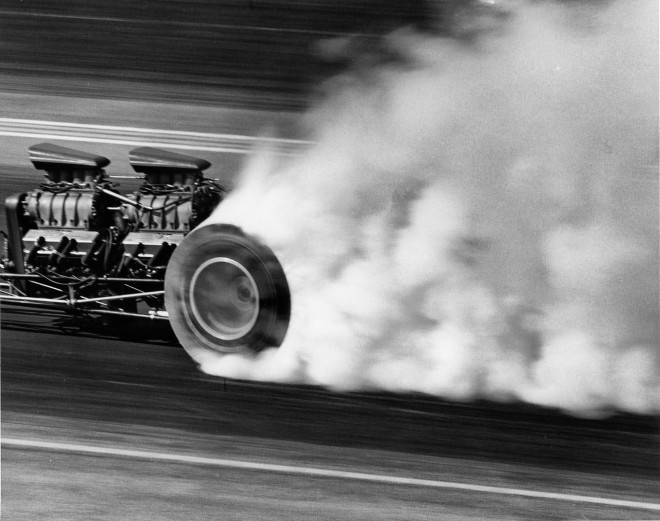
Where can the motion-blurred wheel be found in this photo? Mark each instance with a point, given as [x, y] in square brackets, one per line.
[226, 292]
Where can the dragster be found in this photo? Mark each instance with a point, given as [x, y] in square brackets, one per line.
[76, 243]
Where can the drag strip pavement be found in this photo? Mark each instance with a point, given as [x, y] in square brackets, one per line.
[98, 427]
[135, 136]
[320, 472]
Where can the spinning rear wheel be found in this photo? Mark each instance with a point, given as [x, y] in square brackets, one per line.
[226, 292]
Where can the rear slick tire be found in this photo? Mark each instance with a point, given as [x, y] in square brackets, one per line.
[225, 292]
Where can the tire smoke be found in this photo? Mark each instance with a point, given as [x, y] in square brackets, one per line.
[478, 218]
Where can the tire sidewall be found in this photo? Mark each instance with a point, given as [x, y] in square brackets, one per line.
[214, 241]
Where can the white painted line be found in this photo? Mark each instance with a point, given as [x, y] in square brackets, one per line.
[141, 130]
[109, 141]
[136, 136]
[324, 473]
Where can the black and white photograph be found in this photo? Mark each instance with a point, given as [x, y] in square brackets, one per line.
[329, 260]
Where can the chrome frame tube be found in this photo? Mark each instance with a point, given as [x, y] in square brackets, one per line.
[75, 302]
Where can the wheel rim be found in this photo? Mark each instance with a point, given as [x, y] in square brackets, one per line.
[224, 298]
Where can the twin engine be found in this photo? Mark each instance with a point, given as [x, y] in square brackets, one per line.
[77, 223]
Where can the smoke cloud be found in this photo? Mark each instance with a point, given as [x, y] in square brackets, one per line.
[478, 218]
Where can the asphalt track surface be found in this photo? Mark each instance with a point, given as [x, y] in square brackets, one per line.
[265, 53]
[113, 421]
[135, 431]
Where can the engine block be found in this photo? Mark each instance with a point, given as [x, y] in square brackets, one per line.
[71, 209]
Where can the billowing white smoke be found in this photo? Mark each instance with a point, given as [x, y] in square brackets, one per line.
[479, 221]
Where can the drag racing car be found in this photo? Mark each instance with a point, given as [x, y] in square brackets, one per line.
[78, 244]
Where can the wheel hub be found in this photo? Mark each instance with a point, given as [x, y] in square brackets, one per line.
[224, 298]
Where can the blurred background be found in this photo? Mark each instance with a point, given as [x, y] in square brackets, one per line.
[241, 52]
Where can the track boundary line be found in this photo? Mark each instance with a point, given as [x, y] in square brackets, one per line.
[320, 472]
[83, 139]
[137, 136]
[141, 130]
